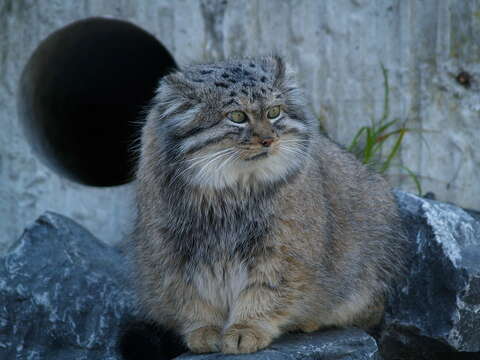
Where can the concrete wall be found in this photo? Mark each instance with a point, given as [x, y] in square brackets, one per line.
[337, 46]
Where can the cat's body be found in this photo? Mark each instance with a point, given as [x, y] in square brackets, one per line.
[251, 228]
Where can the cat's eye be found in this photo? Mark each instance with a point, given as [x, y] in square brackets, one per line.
[237, 116]
[273, 112]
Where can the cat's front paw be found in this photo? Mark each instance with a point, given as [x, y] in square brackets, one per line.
[241, 339]
[206, 339]
[309, 326]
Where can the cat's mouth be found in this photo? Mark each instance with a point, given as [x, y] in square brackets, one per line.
[258, 153]
[258, 156]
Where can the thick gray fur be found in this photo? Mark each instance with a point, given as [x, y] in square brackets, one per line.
[238, 241]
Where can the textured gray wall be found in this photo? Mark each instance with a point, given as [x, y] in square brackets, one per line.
[337, 46]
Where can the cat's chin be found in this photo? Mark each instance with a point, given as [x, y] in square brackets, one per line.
[260, 169]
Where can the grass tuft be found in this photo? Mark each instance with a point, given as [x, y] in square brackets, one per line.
[370, 142]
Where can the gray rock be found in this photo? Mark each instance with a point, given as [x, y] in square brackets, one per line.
[63, 294]
[436, 309]
[337, 47]
[349, 344]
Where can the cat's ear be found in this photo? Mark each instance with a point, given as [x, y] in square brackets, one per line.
[283, 73]
[284, 79]
[280, 71]
[176, 87]
[175, 94]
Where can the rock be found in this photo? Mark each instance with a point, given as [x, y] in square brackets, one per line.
[436, 309]
[349, 344]
[63, 294]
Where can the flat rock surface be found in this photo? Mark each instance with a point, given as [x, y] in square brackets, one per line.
[335, 344]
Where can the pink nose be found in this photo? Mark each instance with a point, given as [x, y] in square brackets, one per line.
[266, 142]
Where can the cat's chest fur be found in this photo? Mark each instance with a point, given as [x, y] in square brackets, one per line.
[221, 283]
[227, 227]
[218, 242]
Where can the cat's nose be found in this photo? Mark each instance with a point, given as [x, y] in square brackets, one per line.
[266, 142]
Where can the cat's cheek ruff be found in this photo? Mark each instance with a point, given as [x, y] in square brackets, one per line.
[289, 125]
[275, 168]
[183, 120]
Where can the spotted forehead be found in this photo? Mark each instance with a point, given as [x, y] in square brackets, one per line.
[237, 79]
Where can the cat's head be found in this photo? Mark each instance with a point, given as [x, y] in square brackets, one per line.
[235, 122]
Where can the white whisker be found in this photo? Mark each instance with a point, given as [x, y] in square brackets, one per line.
[204, 170]
[194, 162]
[296, 151]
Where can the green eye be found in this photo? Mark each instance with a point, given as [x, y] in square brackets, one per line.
[237, 116]
[273, 112]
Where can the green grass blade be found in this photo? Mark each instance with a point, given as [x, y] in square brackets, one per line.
[385, 126]
[415, 179]
[386, 95]
[384, 137]
[370, 142]
[354, 144]
[393, 152]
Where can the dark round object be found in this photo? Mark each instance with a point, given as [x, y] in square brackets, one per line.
[142, 340]
[81, 96]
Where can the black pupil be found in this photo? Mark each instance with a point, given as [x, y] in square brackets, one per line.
[273, 112]
[238, 117]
